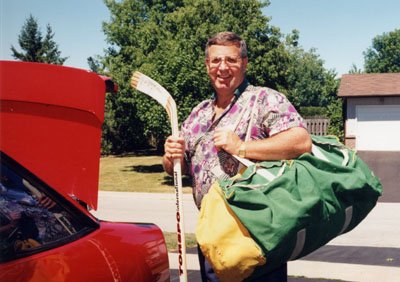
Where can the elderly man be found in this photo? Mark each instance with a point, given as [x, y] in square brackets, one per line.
[257, 123]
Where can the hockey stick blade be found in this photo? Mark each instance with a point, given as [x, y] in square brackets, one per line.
[148, 86]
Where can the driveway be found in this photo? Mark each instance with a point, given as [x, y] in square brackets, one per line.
[370, 252]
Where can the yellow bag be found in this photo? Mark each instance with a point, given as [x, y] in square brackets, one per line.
[236, 252]
[290, 208]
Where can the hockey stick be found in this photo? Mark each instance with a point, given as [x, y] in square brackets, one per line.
[150, 87]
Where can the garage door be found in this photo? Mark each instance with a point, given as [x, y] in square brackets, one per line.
[378, 128]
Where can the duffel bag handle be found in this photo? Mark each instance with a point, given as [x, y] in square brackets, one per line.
[257, 168]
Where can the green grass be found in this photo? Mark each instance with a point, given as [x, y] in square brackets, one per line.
[137, 174]
[171, 240]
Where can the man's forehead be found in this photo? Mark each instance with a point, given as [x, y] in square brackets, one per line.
[225, 49]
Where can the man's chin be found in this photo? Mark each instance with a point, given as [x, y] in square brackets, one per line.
[223, 85]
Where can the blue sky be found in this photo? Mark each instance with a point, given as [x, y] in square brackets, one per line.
[339, 30]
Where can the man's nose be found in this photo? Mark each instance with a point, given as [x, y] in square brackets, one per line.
[223, 65]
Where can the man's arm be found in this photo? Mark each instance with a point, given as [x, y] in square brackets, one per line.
[288, 144]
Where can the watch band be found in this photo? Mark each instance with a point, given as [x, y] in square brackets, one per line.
[242, 150]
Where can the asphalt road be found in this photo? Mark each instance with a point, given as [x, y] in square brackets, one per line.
[146, 208]
[370, 252]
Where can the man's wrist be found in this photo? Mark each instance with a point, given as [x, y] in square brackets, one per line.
[242, 150]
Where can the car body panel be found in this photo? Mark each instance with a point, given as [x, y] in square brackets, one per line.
[50, 141]
[69, 103]
[100, 256]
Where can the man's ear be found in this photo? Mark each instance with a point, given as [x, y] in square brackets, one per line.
[245, 60]
[206, 61]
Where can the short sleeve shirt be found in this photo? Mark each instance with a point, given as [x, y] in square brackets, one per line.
[258, 112]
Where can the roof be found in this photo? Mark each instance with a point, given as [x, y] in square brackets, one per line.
[373, 84]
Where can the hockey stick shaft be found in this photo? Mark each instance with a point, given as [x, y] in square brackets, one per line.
[150, 87]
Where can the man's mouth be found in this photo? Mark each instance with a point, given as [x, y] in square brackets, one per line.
[224, 77]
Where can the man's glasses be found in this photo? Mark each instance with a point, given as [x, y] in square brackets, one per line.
[229, 61]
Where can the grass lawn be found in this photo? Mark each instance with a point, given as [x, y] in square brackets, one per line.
[171, 240]
[137, 174]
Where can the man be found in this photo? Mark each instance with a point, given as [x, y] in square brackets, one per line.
[257, 123]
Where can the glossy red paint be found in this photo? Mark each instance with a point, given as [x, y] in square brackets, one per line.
[50, 123]
[110, 253]
[51, 119]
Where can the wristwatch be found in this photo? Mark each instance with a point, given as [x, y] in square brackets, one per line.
[242, 150]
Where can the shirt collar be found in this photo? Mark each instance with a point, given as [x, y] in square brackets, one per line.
[238, 90]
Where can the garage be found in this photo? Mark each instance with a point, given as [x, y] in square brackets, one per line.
[378, 128]
[371, 116]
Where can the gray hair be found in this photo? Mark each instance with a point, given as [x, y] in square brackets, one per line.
[227, 38]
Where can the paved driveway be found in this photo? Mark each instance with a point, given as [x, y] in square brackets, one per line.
[370, 252]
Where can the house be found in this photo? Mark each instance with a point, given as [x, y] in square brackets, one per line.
[372, 124]
[372, 111]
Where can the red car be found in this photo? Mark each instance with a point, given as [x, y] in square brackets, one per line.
[50, 128]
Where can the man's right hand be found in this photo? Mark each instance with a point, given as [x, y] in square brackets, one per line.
[174, 148]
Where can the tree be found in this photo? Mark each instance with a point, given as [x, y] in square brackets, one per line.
[355, 70]
[94, 64]
[165, 39]
[335, 114]
[308, 83]
[384, 54]
[312, 89]
[35, 47]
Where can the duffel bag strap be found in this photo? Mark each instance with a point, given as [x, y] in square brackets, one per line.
[260, 169]
[315, 150]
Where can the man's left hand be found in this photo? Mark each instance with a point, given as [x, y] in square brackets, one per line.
[227, 140]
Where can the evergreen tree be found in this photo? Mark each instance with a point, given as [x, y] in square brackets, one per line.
[34, 47]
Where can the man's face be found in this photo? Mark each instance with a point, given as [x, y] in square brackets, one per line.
[226, 68]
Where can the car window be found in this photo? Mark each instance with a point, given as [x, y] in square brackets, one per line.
[29, 218]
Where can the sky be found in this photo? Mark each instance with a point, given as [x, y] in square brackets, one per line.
[339, 30]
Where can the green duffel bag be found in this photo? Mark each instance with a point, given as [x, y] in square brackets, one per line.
[284, 210]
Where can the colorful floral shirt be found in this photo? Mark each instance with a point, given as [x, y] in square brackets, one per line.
[269, 111]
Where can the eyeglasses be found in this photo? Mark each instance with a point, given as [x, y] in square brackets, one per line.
[229, 60]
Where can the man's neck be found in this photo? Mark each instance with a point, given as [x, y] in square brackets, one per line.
[223, 100]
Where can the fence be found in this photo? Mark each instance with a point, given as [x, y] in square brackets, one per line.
[317, 126]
